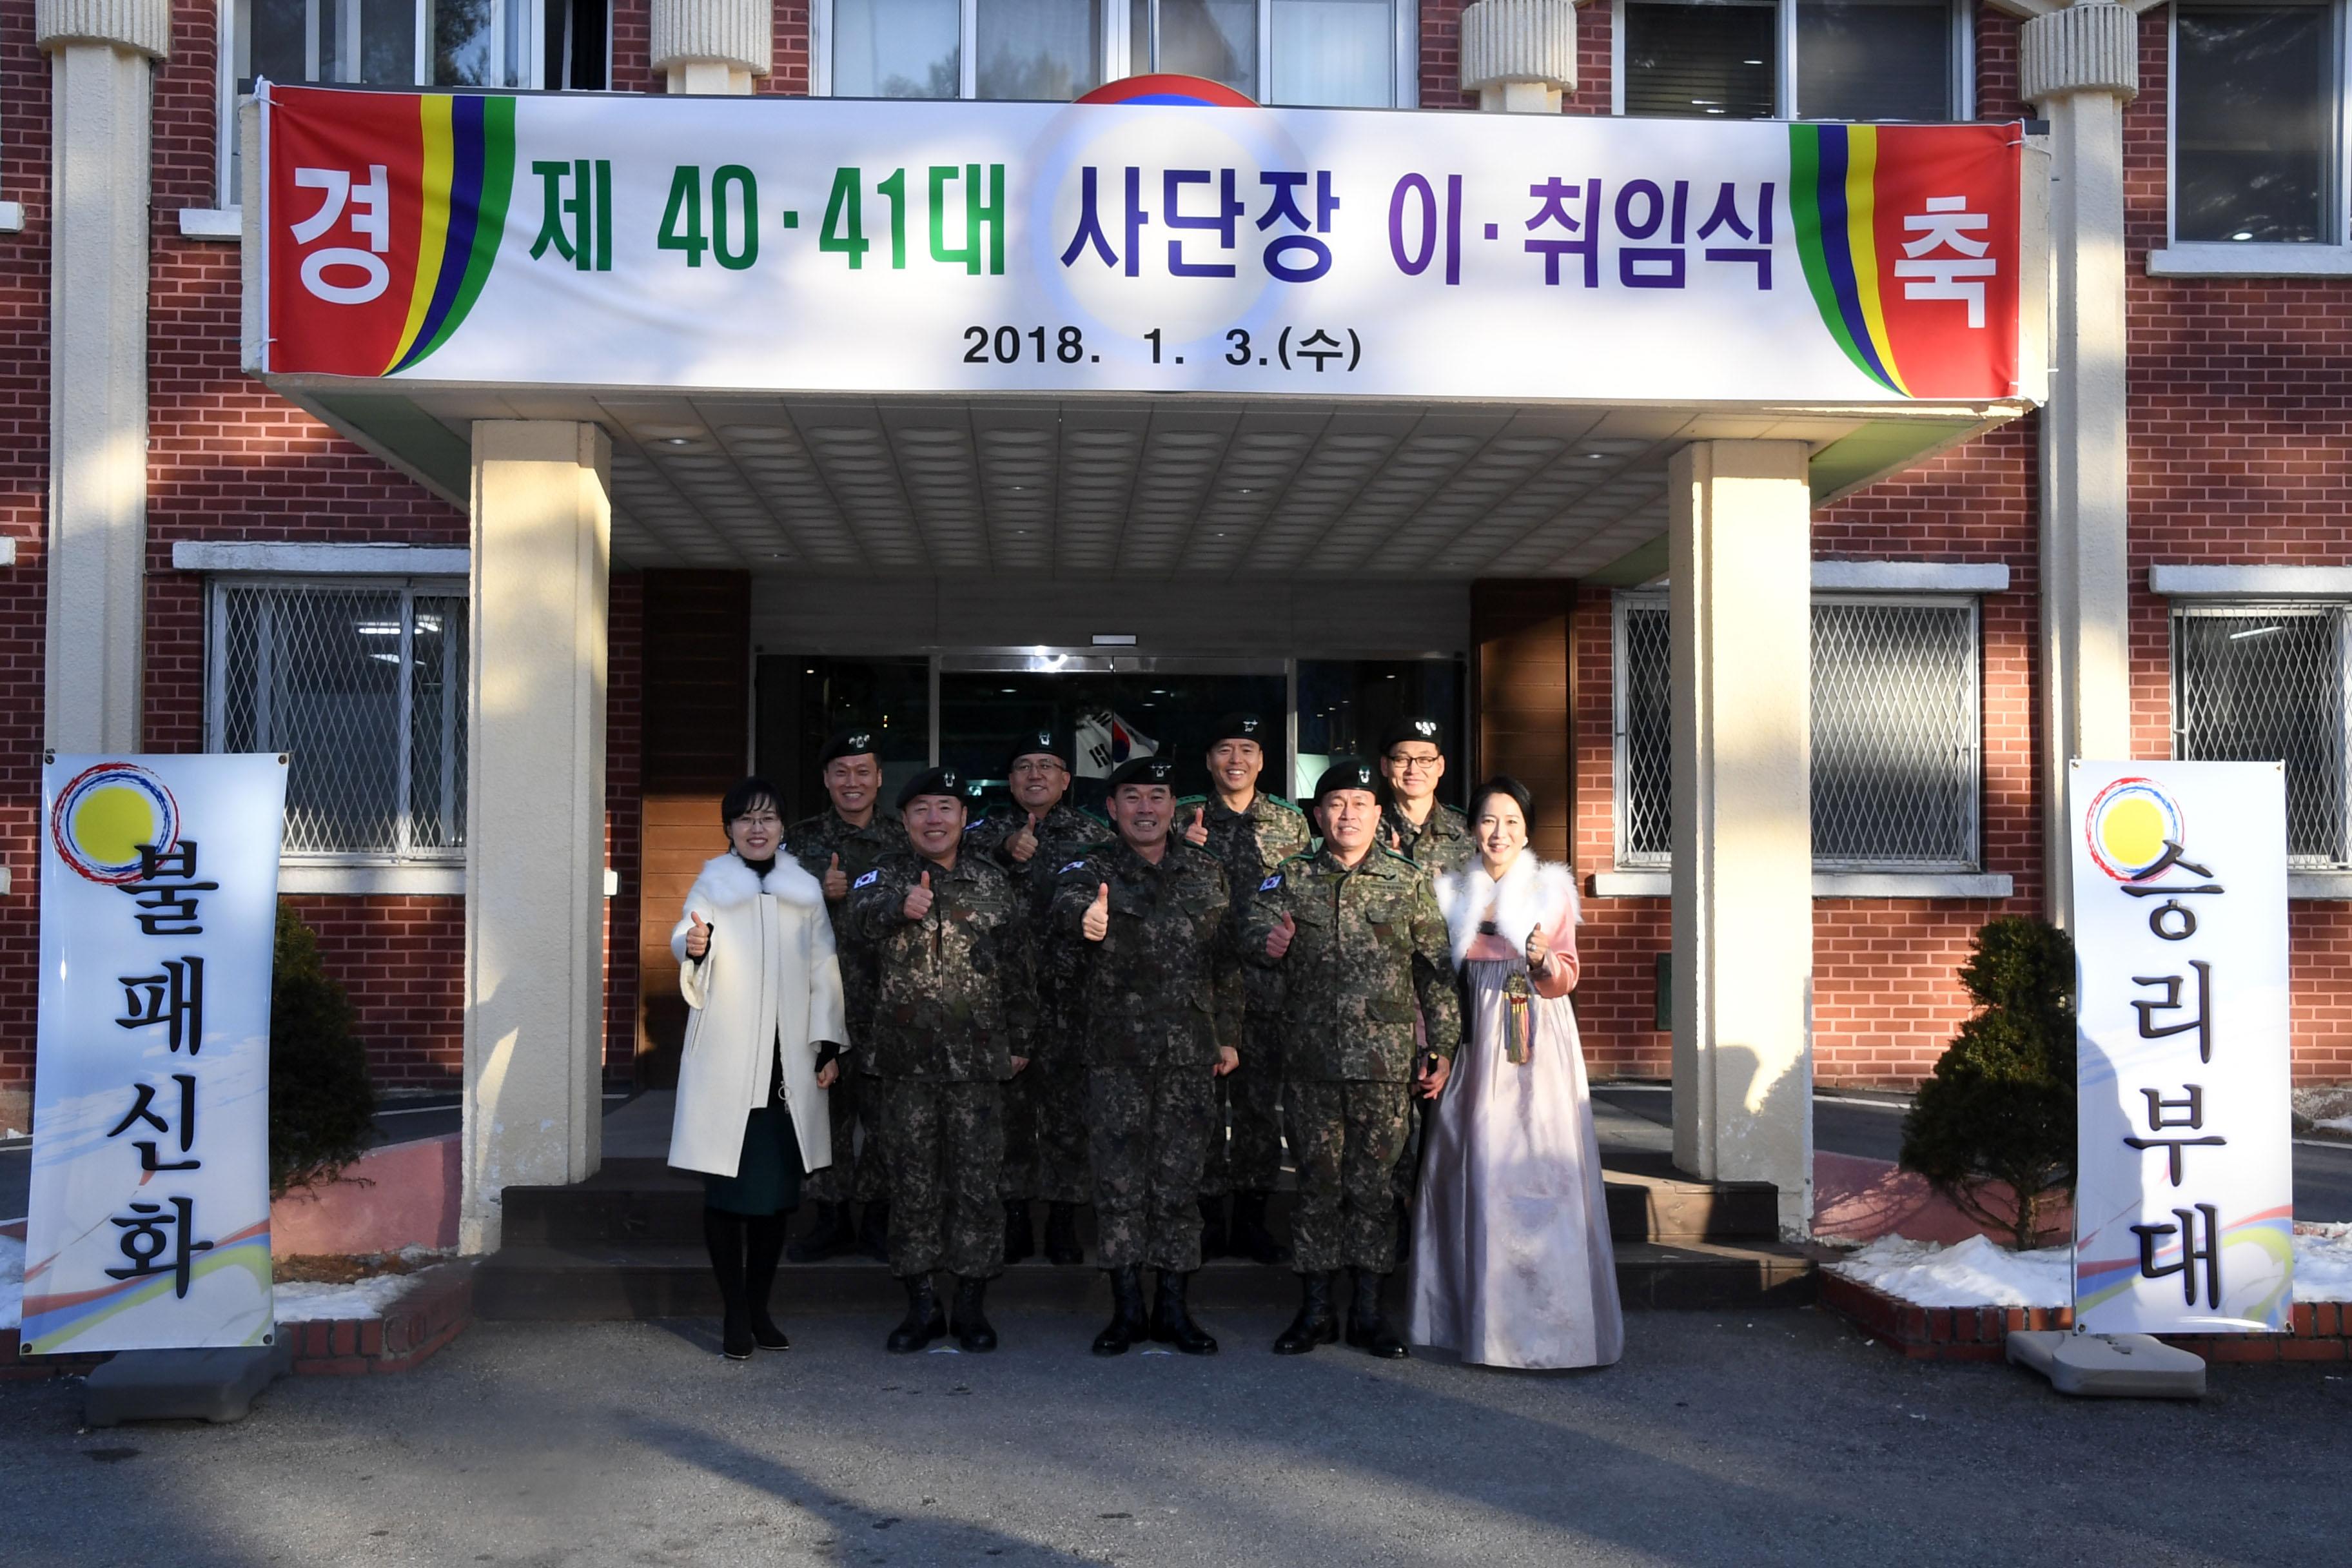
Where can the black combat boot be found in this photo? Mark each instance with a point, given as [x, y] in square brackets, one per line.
[723, 1234]
[1212, 1226]
[1062, 1246]
[1172, 1324]
[1316, 1324]
[1128, 1323]
[831, 1235]
[972, 1327]
[874, 1231]
[1367, 1330]
[763, 1248]
[1019, 1236]
[924, 1321]
[1250, 1238]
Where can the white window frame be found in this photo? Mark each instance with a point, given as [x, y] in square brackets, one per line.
[1118, 60]
[2261, 259]
[408, 858]
[2340, 612]
[1784, 77]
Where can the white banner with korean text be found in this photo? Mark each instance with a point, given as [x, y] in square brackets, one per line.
[2184, 1202]
[148, 1225]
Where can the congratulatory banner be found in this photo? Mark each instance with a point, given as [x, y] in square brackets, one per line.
[819, 245]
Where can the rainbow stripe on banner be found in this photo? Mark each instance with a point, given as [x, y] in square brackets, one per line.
[469, 176]
[1832, 176]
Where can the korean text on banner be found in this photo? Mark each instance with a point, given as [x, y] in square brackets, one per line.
[816, 245]
[2184, 1203]
[149, 1225]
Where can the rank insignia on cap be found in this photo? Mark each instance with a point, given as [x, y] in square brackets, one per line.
[1425, 728]
[1364, 777]
[1248, 726]
[950, 779]
[1044, 739]
[861, 741]
[869, 877]
[1271, 883]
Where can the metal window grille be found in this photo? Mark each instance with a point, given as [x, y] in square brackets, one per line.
[2263, 683]
[364, 685]
[1897, 764]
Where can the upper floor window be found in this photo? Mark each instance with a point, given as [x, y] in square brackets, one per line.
[2265, 683]
[2255, 118]
[1792, 60]
[1336, 53]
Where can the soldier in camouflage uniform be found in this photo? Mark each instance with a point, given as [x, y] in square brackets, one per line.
[1250, 832]
[1162, 1007]
[1045, 1106]
[1358, 932]
[954, 1017]
[836, 847]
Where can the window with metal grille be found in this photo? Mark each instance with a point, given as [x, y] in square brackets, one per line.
[364, 685]
[2265, 683]
[1897, 760]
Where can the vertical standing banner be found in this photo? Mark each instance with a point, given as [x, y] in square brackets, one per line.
[2184, 1201]
[150, 1220]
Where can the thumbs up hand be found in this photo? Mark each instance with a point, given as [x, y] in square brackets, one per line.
[1277, 941]
[837, 881]
[1097, 925]
[697, 936]
[1023, 844]
[919, 899]
[1197, 830]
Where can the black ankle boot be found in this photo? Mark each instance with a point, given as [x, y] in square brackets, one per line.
[972, 1326]
[1128, 1324]
[924, 1321]
[1212, 1226]
[1316, 1324]
[1172, 1324]
[1020, 1235]
[1062, 1246]
[763, 1249]
[1368, 1331]
[831, 1234]
[722, 1232]
[1250, 1238]
[874, 1231]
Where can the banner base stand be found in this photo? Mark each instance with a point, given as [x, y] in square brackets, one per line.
[217, 1386]
[2109, 1366]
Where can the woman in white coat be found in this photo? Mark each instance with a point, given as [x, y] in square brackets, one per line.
[762, 1047]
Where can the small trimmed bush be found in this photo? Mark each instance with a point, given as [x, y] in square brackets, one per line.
[1999, 1111]
[321, 1105]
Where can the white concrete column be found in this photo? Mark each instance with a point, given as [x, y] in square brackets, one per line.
[535, 814]
[713, 47]
[2081, 66]
[101, 55]
[1740, 559]
[1519, 56]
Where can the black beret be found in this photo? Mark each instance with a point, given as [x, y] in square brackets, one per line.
[847, 743]
[1412, 729]
[1044, 742]
[1347, 773]
[932, 780]
[1142, 770]
[1241, 727]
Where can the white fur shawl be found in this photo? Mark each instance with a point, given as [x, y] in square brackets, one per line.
[726, 881]
[1532, 894]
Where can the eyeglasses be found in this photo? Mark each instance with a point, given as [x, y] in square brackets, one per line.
[759, 819]
[1039, 765]
[1416, 764]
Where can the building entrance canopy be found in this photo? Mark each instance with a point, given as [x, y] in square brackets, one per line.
[856, 337]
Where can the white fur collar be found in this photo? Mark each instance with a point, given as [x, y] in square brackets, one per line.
[1532, 894]
[726, 880]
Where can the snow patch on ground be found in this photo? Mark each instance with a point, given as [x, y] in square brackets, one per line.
[299, 1302]
[2338, 1124]
[12, 1280]
[1977, 1273]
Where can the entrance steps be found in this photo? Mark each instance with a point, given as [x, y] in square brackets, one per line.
[627, 1244]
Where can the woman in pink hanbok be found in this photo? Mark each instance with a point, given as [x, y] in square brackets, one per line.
[1512, 1264]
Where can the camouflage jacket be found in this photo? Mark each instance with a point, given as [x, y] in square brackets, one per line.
[1065, 835]
[1163, 988]
[1370, 943]
[953, 997]
[813, 842]
[1248, 844]
[1440, 844]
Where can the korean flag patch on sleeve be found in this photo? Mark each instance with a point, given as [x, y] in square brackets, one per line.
[1271, 883]
[1070, 867]
[874, 876]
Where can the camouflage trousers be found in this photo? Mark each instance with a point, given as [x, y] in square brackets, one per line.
[1249, 1102]
[1045, 1129]
[946, 1142]
[1345, 1138]
[858, 1174]
[1150, 1131]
